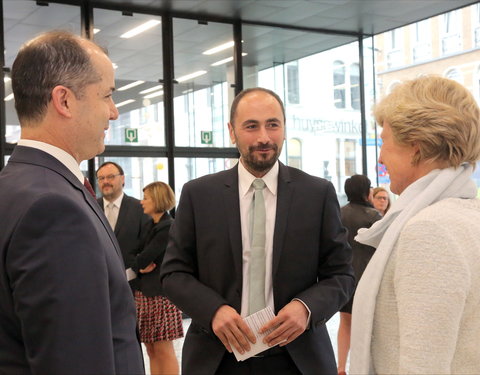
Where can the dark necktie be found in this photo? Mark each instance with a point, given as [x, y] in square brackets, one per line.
[86, 183]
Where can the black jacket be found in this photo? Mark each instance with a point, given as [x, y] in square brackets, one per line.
[151, 250]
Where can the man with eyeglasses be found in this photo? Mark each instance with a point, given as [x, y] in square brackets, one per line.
[124, 213]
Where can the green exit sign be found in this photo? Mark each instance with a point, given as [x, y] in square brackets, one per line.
[131, 135]
[206, 137]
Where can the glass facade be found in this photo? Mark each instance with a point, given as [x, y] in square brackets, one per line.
[138, 73]
[201, 87]
[328, 88]
[321, 92]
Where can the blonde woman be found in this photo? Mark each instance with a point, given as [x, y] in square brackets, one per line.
[416, 306]
[159, 321]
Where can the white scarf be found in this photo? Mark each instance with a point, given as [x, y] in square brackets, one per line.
[439, 184]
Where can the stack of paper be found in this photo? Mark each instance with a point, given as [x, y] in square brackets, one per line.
[255, 322]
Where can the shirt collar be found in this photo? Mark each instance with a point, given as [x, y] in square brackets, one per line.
[117, 202]
[245, 179]
[62, 156]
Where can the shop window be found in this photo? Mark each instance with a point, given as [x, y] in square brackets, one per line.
[295, 153]
[339, 84]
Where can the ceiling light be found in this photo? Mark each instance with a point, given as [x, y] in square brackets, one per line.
[6, 79]
[191, 76]
[140, 29]
[153, 94]
[124, 103]
[95, 30]
[115, 66]
[8, 97]
[130, 85]
[219, 48]
[224, 61]
[151, 89]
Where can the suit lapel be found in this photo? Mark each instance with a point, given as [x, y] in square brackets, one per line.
[284, 199]
[232, 208]
[99, 212]
[34, 156]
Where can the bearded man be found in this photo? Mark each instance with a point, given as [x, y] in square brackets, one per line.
[262, 230]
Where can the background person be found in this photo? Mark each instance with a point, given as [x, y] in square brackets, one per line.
[358, 213]
[159, 320]
[416, 307]
[65, 304]
[124, 213]
[306, 260]
[381, 200]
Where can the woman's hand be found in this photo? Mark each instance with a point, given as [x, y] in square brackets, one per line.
[148, 268]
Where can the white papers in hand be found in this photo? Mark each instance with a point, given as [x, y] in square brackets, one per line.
[255, 322]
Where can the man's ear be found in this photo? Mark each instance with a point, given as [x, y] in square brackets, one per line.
[231, 131]
[62, 98]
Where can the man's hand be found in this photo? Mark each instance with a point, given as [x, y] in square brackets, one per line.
[290, 323]
[230, 328]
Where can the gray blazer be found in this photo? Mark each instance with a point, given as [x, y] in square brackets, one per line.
[65, 304]
[202, 267]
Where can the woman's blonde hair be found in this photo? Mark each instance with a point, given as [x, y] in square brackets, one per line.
[162, 196]
[438, 114]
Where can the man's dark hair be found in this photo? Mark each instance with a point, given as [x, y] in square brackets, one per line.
[238, 98]
[54, 58]
[120, 169]
[357, 188]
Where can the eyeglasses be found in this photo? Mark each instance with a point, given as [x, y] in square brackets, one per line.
[110, 177]
[381, 198]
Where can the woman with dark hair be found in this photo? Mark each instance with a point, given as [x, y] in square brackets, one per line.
[381, 200]
[358, 213]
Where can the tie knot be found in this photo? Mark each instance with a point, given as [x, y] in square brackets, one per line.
[111, 205]
[258, 184]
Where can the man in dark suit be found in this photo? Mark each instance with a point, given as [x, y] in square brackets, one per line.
[307, 269]
[65, 304]
[124, 213]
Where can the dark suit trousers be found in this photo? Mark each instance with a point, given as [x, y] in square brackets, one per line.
[276, 364]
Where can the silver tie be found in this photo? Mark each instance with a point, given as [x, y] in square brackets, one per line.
[257, 257]
[111, 217]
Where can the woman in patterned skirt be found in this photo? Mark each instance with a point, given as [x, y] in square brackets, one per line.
[159, 321]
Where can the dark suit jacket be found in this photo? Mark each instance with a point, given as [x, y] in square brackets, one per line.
[202, 268]
[151, 250]
[65, 304]
[355, 216]
[128, 229]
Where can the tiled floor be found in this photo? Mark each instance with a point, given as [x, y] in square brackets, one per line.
[332, 326]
